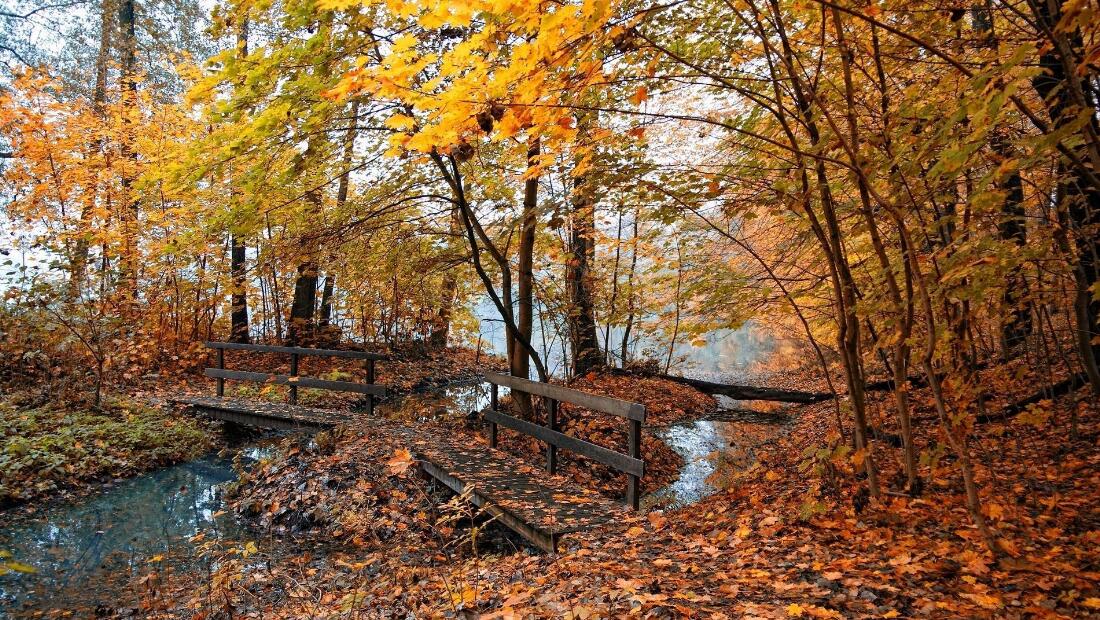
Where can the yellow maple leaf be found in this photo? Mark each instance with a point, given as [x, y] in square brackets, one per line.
[794, 610]
[400, 122]
[401, 461]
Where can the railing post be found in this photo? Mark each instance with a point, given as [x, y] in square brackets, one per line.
[634, 447]
[221, 366]
[493, 397]
[293, 378]
[551, 449]
[370, 380]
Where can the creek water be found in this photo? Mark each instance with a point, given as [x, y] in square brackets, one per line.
[86, 552]
[714, 452]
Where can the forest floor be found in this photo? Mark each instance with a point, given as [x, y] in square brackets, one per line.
[792, 536]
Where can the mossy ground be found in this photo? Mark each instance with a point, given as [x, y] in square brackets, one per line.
[49, 448]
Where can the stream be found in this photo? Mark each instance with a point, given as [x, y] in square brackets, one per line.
[714, 452]
[86, 552]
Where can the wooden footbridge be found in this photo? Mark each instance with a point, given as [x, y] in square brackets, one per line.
[536, 503]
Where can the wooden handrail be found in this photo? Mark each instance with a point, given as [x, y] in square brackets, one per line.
[294, 380]
[263, 348]
[631, 463]
[612, 459]
[603, 404]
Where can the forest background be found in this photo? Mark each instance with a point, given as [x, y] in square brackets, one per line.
[911, 190]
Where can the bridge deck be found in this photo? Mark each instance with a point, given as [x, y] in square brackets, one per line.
[262, 413]
[535, 504]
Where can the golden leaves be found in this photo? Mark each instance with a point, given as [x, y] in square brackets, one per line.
[524, 56]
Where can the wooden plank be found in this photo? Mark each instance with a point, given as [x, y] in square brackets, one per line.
[221, 364]
[263, 413]
[546, 541]
[294, 373]
[307, 382]
[551, 449]
[621, 462]
[634, 447]
[604, 404]
[263, 348]
[261, 421]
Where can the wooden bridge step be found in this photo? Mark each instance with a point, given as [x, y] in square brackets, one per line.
[537, 505]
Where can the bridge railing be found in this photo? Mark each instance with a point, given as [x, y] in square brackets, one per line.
[630, 463]
[294, 380]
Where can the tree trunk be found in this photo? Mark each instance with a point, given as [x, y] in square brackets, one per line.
[581, 316]
[830, 240]
[519, 358]
[238, 330]
[676, 301]
[238, 318]
[441, 327]
[1060, 91]
[343, 187]
[1016, 315]
[474, 232]
[302, 326]
[78, 265]
[624, 349]
[1016, 319]
[327, 289]
[129, 207]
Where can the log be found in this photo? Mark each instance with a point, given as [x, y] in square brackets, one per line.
[743, 392]
[1065, 386]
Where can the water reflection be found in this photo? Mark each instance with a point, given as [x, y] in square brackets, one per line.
[86, 552]
[446, 404]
